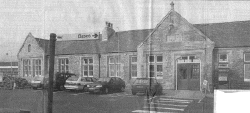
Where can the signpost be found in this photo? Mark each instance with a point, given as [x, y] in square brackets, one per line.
[79, 36]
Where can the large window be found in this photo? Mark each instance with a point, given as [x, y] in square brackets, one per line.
[37, 67]
[87, 66]
[114, 66]
[63, 65]
[26, 67]
[247, 67]
[133, 66]
[155, 65]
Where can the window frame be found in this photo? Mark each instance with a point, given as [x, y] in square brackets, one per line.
[37, 67]
[88, 65]
[155, 64]
[64, 65]
[132, 63]
[246, 63]
[116, 65]
[27, 68]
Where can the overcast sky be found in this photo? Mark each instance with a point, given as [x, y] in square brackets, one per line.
[42, 17]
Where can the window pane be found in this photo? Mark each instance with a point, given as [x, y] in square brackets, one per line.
[151, 58]
[159, 68]
[62, 60]
[85, 61]
[134, 59]
[134, 74]
[151, 68]
[90, 67]
[67, 61]
[159, 58]
[112, 70]
[85, 68]
[111, 60]
[151, 74]
[247, 57]
[85, 73]
[91, 61]
[90, 73]
[133, 67]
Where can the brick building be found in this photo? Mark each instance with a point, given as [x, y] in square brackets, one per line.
[179, 54]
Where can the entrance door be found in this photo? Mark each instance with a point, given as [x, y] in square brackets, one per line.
[188, 76]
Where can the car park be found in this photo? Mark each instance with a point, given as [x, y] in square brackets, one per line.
[106, 85]
[78, 82]
[147, 86]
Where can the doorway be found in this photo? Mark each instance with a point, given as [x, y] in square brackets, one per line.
[188, 76]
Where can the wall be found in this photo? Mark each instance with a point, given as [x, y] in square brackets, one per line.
[36, 52]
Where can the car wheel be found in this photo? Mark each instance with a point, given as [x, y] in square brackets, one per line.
[106, 90]
[122, 89]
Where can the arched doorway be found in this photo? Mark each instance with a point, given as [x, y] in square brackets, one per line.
[188, 72]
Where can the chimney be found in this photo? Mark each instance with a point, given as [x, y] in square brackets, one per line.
[172, 5]
[108, 31]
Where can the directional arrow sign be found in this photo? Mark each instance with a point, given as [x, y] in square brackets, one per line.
[79, 36]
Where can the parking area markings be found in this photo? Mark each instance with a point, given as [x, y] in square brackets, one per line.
[145, 111]
[167, 108]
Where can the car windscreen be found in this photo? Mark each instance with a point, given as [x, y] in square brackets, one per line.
[73, 78]
[104, 80]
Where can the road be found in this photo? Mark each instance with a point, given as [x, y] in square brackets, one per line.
[82, 102]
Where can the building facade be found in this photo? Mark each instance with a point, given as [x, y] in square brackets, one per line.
[179, 54]
[9, 68]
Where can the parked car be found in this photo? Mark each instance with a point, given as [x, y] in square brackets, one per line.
[78, 82]
[147, 86]
[106, 85]
[59, 80]
[37, 82]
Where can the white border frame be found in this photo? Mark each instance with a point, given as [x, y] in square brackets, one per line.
[219, 57]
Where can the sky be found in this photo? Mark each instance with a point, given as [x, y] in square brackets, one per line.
[42, 17]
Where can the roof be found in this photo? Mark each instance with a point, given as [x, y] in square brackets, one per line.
[124, 41]
[43, 43]
[225, 35]
[228, 34]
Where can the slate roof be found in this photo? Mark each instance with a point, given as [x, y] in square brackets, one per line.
[228, 34]
[43, 43]
[225, 35]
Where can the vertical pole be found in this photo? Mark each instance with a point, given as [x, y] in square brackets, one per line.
[51, 72]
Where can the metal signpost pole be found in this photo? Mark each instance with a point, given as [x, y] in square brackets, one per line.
[51, 72]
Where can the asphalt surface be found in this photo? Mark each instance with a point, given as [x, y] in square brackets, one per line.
[82, 102]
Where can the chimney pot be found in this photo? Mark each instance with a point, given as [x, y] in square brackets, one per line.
[172, 5]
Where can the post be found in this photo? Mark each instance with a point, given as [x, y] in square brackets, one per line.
[51, 72]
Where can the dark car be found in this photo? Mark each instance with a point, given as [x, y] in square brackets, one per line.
[146, 86]
[106, 85]
[59, 80]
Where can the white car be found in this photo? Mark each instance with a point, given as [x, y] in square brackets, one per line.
[78, 83]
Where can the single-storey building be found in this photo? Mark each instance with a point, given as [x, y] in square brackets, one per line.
[179, 54]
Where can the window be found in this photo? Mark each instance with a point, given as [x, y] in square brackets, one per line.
[133, 66]
[29, 48]
[114, 66]
[223, 58]
[155, 66]
[26, 67]
[87, 67]
[37, 67]
[63, 65]
[247, 67]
